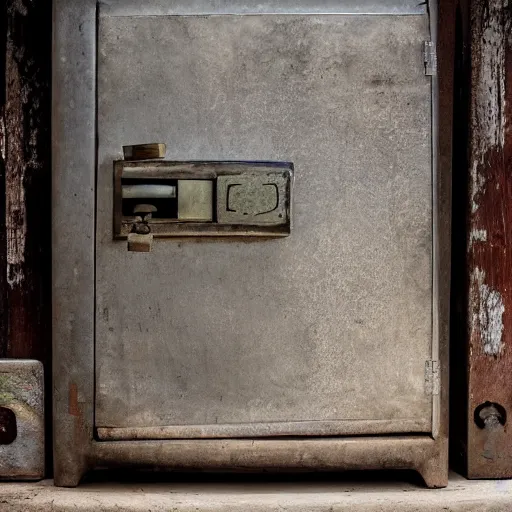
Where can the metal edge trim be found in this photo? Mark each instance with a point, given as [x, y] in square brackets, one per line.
[271, 429]
[436, 270]
[73, 158]
[297, 7]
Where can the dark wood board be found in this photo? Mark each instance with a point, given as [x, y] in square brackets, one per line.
[488, 317]
[25, 184]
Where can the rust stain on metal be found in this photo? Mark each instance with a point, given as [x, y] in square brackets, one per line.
[74, 409]
[490, 230]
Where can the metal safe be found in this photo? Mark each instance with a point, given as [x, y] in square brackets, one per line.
[270, 293]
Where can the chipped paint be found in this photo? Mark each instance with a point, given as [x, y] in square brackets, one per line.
[488, 309]
[15, 212]
[491, 80]
[477, 185]
[491, 320]
[3, 136]
[477, 235]
[22, 144]
[489, 119]
[489, 61]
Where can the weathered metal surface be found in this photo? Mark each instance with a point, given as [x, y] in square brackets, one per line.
[73, 157]
[77, 451]
[202, 7]
[254, 199]
[195, 200]
[489, 246]
[258, 430]
[21, 391]
[273, 331]
[420, 453]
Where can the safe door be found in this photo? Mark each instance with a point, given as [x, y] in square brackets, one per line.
[324, 332]
[298, 300]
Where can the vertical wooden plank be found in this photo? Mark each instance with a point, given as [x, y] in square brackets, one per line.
[26, 275]
[3, 142]
[489, 241]
[27, 177]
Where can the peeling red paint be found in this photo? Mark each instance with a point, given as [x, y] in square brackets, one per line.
[490, 211]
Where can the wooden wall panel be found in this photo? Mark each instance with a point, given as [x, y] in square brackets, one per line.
[25, 182]
[489, 241]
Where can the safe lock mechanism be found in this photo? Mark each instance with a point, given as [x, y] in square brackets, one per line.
[158, 198]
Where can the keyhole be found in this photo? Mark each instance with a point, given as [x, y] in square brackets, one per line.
[8, 426]
[490, 415]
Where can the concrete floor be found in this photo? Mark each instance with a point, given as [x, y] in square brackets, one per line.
[294, 494]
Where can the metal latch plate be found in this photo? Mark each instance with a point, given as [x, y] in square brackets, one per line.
[214, 199]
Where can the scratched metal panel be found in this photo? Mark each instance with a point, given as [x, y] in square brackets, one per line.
[192, 7]
[330, 324]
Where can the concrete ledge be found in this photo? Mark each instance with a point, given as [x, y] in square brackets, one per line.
[256, 496]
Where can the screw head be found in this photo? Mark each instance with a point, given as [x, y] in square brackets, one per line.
[142, 229]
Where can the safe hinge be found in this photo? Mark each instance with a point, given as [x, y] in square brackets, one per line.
[432, 377]
[430, 58]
